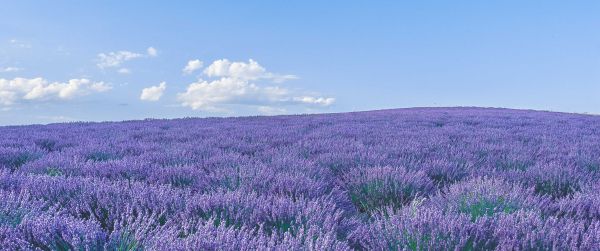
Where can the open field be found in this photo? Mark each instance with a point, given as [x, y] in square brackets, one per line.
[415, 179]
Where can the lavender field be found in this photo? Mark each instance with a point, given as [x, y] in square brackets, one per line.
[405, 179]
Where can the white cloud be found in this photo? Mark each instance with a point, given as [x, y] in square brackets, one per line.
[236, 84]
[153, 93]
[204, 95]
[242, 70]
[192, 66]
[10, 69]
[315, 100]
[152, 52]
[214, 95]
[116, 59]
[224, 68]
[18, 89]
[124, 71]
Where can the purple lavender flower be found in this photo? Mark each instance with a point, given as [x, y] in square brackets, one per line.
[405, 179]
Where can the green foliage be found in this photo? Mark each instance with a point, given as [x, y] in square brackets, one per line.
[100, 156]
[49, 145]
[227, 218]
[486, 207]
[125, 242]
[593, 167]
[53, 172]
[14, 162]
[441, 179]
[556, 189]
[279, 226]
[516, 165]
[378, 194]
[182, 181]
[12, 218]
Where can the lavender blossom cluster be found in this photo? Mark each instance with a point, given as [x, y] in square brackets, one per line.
[404, 179]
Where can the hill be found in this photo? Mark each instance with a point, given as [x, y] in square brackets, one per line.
[420, 178]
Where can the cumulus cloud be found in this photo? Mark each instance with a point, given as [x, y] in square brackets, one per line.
[10, 69]
[18, 89]
[242, 70]
[152, 52]
[224, 68]
[116, 59]
[204, 95]
[192, 66]
[237, 83]
[153, 93]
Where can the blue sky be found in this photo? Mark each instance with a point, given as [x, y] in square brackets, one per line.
[117, 60]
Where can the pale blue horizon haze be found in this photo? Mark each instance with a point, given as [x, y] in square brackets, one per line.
[66, 61]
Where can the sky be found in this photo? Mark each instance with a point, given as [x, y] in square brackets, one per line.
[64, 61]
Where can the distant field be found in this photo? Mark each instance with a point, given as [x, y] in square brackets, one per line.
[415, 179]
